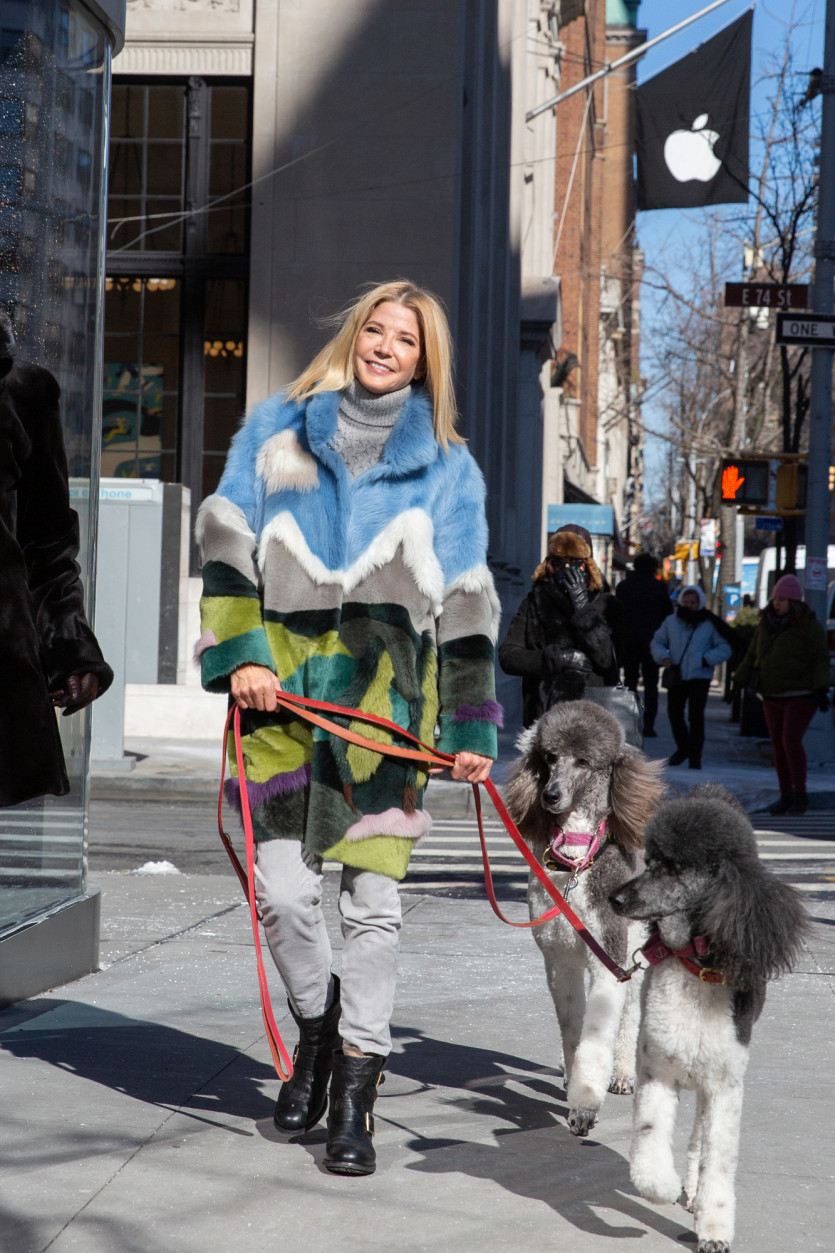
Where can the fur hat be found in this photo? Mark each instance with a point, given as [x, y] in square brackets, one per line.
[692, 587]
[567, 542]
[7, 339]
[787, 588]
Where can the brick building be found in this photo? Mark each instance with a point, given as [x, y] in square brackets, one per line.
[596, 370]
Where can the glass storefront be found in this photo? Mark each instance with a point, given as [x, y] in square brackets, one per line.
[54, 88]
[176, 289]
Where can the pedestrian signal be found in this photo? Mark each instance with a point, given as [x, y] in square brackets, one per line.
[745, 482]
[790, 491]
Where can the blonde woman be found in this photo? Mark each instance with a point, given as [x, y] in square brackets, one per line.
[345, 559]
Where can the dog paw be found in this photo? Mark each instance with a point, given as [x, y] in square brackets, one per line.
[689, 1203]
[622, 1085]
[714, 1246]
[581, 1121]
[661, 1189]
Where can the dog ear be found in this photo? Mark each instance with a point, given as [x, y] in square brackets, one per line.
[634, 796]
[757, 923]
[521, 794]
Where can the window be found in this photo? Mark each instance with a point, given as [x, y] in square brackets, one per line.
[141, 378]
[176, 292]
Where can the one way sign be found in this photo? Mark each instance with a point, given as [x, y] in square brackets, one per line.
[806, 329]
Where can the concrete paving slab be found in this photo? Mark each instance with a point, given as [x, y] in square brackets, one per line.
[138, 1102]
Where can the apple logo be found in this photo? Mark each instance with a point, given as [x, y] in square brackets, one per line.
[689, 154]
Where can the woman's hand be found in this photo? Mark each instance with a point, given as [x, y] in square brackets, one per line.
[254, 687]
[668, 661]
[470, 767]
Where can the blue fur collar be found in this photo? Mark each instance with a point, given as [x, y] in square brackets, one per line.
[411, 445]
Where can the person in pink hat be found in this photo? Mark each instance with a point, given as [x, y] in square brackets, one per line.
[787, 663]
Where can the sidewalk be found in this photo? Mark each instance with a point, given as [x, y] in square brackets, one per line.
[138, 1101]
[184, 770]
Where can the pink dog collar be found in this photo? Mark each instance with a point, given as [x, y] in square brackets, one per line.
[592, 839]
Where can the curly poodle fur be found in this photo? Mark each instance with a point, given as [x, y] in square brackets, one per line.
[576, 771]
[703, 877]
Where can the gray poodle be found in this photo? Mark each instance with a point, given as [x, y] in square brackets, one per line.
[580, 796]
[723, 926]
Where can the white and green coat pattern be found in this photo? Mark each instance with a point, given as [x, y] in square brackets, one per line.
[372, 593]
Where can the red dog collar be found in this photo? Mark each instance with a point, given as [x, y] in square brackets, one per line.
[691, 956]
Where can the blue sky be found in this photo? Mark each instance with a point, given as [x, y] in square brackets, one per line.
[655, 229]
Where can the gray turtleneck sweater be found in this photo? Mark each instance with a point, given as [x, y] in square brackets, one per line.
[364, 423]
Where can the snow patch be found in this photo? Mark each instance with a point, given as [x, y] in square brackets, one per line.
[157, 867]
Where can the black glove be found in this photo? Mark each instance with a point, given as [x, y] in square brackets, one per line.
[822, 697]
[573, 659]
[552, 659]
[573, 583]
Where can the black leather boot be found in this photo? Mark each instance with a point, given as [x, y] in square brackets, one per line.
[350, 1121]
[303, 1099]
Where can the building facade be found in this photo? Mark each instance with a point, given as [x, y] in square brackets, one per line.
[270, 157]
[596, 256]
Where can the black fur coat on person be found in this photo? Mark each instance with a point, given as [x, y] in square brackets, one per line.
[547, 632]
[44, 636]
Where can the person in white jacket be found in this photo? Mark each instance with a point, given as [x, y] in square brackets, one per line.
[689, 639]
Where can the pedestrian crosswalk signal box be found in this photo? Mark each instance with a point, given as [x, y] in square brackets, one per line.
[745, 482]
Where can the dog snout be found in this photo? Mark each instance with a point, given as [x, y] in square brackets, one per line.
[616, 900]
[552, 797]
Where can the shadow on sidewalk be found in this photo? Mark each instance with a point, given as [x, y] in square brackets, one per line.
[146, 1061]
[534, 1157]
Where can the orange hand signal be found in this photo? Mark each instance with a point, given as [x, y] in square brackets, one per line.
[732, 481]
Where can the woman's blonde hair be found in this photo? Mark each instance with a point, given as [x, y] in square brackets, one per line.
[332, 369]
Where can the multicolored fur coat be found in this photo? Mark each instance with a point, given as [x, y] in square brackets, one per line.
[372, 593]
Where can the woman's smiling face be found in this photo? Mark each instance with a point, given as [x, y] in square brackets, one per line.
[388, 349]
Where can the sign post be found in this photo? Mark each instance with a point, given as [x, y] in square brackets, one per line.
[820, 401]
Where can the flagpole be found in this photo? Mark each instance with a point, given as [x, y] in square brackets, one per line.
[820, 400]
[624, 60]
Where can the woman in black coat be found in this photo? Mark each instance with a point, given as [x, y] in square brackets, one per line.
[49, 657]
[562, 639]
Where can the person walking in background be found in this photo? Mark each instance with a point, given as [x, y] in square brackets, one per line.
[646, 603]
[688, 644]
[562, 638]
[345, 559]
[50, 658]
[787, 663]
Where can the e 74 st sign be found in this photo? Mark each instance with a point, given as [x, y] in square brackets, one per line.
[767, 295]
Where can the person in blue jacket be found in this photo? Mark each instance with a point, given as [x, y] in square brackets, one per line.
[689, 639]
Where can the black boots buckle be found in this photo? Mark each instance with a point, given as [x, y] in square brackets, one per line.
[354, 1085]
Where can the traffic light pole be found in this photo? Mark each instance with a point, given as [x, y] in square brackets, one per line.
[820, 408]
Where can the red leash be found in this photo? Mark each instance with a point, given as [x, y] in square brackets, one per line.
[305, 707]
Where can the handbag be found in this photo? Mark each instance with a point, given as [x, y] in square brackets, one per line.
[671, 676]
[623, 704]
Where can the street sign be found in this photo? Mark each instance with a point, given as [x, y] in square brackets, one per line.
[733, 596]
[815, 574]
[814, 329]
[768, 524]
[767, 295]
[707, 537]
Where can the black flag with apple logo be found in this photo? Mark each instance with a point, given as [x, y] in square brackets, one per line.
[692, 125]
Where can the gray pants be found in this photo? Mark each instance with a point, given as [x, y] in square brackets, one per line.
[289, 891]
